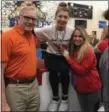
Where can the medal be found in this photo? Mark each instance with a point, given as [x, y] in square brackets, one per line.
[59, 39]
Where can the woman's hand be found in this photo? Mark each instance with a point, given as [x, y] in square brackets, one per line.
[64, 52]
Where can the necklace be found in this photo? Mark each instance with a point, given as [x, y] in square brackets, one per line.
[60, 37]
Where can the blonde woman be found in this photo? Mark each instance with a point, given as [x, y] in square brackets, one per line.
[82, 61]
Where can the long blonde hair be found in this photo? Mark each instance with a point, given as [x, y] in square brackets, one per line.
[83, 48]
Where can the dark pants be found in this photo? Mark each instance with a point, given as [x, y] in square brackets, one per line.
[58, 72]
[54, 79]
[89, 101]
[106, 106]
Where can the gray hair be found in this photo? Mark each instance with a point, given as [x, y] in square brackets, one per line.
[21, 12]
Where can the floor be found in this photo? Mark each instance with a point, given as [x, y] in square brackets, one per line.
[46, 95]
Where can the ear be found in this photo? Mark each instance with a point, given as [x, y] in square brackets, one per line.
[18, 17]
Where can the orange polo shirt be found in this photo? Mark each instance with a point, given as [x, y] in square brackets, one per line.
[19, 52]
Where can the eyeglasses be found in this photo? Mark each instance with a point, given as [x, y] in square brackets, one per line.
[28, 18]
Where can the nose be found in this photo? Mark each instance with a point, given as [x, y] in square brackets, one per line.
[30, 21]
[76, 37]
[63, 19]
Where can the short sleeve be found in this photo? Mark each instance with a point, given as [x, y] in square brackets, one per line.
[6, 48]
[44, 32]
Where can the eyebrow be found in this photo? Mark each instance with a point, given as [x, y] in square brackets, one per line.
[28, 16]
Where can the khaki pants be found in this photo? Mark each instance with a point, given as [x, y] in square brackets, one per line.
[23, 97]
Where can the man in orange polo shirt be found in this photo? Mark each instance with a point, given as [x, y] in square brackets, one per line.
[20, 91]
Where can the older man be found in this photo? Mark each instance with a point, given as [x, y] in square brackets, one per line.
[20, 91]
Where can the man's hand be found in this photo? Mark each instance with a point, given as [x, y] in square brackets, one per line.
[5, 107]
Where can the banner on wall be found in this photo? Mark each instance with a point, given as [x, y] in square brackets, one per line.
[19, 4]
[42, 20]
[102, 24]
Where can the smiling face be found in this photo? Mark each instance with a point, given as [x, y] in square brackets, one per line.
[62, 18]
[27, 19]
[78, 38]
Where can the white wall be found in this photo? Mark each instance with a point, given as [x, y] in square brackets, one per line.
[98, 8]
[92, 24]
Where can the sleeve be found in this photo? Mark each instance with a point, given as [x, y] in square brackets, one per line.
[83, 67]
[6, 48]
[43, 33]
[101, 45]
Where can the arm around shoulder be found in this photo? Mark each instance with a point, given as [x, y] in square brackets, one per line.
[43, 33]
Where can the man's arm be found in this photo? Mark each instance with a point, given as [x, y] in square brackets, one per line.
[40, 33]
[5, 106]
[43, 37]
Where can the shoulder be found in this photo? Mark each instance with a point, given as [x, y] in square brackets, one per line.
[103, 42]
[70, 28]
[7, 31]
[69, 31]
[8, 34]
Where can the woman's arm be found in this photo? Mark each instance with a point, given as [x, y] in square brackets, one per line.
[83, 67]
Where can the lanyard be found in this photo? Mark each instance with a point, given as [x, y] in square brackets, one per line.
[59, 40]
